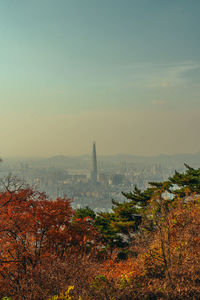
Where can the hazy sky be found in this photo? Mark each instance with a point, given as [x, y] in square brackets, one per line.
[125, 73]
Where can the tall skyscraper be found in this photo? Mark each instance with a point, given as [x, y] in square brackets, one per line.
[94, 164]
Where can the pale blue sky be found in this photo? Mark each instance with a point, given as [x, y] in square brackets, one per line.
[69, 67]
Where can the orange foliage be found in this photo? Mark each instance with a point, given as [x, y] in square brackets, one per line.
[33, 232]
[167, 263]
[43, 250]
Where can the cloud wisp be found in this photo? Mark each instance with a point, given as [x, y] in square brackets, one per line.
[161, 75]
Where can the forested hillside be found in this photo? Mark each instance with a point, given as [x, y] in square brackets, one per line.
[148, 247]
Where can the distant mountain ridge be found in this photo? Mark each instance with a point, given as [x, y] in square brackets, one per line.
[85, 161]
[189, 158]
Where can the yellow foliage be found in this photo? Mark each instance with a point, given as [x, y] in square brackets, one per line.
[66, 295]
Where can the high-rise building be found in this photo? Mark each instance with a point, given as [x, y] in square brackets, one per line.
[94, 164]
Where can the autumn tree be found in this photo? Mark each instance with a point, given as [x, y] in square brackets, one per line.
[33, 231]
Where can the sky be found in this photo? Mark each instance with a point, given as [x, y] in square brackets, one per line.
[125, 74]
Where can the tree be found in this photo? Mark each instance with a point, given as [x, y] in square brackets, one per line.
[34, 231]
[84, 212]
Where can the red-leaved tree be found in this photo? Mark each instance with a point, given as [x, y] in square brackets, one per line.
[36, 232]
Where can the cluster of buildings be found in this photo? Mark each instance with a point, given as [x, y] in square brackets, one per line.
[94, 186]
